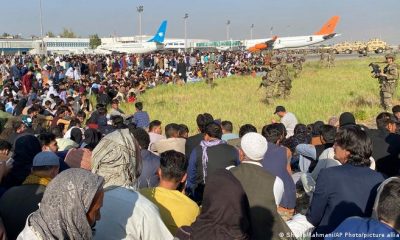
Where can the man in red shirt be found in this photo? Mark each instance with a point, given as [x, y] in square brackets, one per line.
[27, 81]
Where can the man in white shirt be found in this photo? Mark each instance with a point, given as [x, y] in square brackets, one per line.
[173, 141]
[288, 119]
[155, 132]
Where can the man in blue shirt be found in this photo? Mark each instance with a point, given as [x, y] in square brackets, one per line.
[387, 212]
[141, 118]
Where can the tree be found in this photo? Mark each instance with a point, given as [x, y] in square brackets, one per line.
[50, 34]
[95, 41]
[67, 33]
[5, 35]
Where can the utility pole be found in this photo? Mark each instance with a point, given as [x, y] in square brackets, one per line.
[41, 26]
[185, 19]
[140, 10]
[251, 31]
[228, 23]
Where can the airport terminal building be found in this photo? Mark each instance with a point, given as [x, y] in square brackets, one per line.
[81, 45]
[52, 45]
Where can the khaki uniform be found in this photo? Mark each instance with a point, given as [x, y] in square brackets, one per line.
[210, 69]
[285, 82]
[270, 81]
[322, 59]
[388, 85]
[331, 60]
[298, 67]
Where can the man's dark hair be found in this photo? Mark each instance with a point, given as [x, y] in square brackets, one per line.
[173, 165]
[115, 101]
[214, 130]
[396, 109]
[227, 126]
[153, 124]
[32, 109]
[99, 105]
[46, 138]
[16, 124]
[272, 133]
[102, 111]
[183, 129]
[171, 130]
[357, 142]
[81, 114]
[57, 131]
[282, 129]
[70, 99]
[316, 128]
[61, 110]
[383, 119]
[118, 122]
[142, 137]
[5, 145]
[74, 122]
[389, 203]
[246, 129]
[139, 106]
[328, 133]
[203, 120]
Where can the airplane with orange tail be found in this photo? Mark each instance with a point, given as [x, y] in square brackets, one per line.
[325, 33]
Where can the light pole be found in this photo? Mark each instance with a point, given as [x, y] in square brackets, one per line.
[251, 31]
[185, 19]
[41, 25]
[228, 23]
[41, 21]
[140, 10]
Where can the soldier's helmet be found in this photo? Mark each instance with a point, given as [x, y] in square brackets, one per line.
[390, 55]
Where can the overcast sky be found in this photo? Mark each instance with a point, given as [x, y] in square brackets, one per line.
[360, 19]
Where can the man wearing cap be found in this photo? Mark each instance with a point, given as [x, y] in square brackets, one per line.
[388, 81]
[264, 191]
[288, 119]
[18, 202]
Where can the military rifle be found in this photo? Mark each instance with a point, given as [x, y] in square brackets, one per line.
[376, 69]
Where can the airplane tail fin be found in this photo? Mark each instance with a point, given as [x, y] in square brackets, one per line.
[160, 35]
[329, 27]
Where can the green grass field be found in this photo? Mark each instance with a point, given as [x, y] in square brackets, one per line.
[317, 95]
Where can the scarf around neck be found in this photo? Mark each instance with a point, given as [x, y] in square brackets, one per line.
[204, 158]
[33, 179]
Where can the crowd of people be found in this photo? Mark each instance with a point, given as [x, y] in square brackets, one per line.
[71, 170]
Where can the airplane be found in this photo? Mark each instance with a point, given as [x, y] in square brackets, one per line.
[130, 47]
[325, 33]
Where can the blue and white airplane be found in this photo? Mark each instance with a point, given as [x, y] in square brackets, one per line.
[151, 45]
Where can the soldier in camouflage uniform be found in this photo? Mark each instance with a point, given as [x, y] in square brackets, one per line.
[331, 59]
[210, 70]
[285, 82]
[298, 67]
[322, 59]
[388, 79]
[270, 81]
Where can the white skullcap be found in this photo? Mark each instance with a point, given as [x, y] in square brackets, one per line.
[254, 145]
